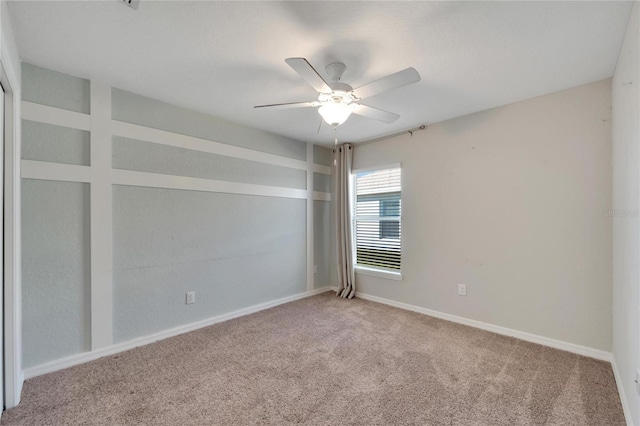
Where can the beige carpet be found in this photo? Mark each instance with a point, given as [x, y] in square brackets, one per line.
[326, 360]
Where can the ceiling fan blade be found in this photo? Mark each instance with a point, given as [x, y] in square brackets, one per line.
[393, 81]
[309, 74]
[290, 105]
[375, 113]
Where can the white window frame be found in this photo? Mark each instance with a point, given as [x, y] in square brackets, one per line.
[367, 270]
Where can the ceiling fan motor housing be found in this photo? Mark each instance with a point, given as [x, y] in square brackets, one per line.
[337, 96]
[335, 71]
[340, 87]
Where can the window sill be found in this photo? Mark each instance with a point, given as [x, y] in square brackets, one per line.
[396, 276]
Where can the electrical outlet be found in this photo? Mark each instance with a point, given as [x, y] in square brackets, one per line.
[191, 297]
[462, 289]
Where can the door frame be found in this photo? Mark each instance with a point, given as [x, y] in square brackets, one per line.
[12, 306]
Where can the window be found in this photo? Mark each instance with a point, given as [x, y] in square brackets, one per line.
[390, 228]
[377, 224]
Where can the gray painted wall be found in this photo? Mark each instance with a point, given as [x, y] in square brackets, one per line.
[46, 87]
[233, 250]
[56, 144]
[322, 155]
[55, 226]
[55, 272]
[160, 115]
[323, 218]
[322, 182]
[130, 154]
[322, 243]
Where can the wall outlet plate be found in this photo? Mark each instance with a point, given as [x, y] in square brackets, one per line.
[191, 297]
[462, 289]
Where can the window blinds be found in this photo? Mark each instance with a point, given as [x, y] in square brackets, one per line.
[377, 224]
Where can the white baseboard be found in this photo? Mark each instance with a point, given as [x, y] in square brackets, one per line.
[81, 358]
[120, 347]
[534, 338]
[623, 396]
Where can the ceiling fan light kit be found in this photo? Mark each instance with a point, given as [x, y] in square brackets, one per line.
[336, 107]
[338, 100]
[335, 113]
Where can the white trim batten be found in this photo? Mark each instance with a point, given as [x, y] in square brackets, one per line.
[318, 168]
[310, 222]
[75, 120]
[163, 137]
[101, 218]
[72, 173]
[55, 116]
[155, 180]
[55, 171]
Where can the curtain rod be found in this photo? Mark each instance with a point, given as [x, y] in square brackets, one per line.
[393, 135]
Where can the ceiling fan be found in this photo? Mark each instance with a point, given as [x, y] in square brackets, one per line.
[338, 100]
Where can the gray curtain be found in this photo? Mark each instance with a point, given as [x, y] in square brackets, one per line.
[343, 205]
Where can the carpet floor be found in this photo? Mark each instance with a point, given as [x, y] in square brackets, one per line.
[328, 361]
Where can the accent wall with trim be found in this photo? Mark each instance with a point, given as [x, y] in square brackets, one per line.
[129, 203]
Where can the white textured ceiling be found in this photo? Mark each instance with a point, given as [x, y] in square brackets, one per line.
[224, 57]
